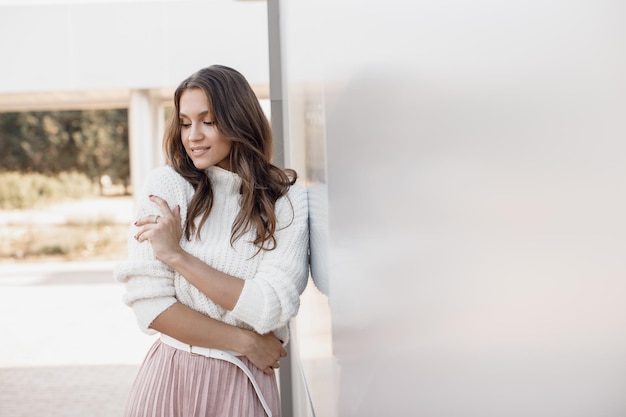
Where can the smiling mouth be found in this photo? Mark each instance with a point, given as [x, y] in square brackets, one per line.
[199, 151]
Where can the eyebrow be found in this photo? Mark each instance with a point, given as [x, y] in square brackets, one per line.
[202, 113]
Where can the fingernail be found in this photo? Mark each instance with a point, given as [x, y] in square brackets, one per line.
[135, 237]
[151, 195]
[135, 223]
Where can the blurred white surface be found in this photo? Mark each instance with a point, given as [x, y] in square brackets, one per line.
[475, 173]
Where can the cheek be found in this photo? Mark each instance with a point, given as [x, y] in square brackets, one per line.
[226, 146]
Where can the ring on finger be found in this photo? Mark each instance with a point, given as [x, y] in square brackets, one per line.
[156, 218]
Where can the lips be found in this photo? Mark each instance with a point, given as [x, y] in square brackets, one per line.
[199, 150]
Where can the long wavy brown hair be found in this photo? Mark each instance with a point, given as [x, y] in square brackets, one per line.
[238, 117]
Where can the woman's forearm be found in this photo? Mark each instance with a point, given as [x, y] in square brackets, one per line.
[194, 328]
[222, 288]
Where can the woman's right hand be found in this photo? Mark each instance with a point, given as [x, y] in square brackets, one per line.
[264, 351]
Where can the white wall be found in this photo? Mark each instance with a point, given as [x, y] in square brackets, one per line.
[88, 45]
[475, 176]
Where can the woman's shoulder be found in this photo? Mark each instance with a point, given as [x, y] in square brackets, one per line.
[165, 174]
[297, 191]
[294, 202]
[165, 177]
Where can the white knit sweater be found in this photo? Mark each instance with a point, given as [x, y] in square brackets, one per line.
[274, 279]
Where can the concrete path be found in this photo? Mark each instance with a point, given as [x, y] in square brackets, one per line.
[68, 345]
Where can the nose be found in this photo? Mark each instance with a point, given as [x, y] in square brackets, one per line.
[195, 132]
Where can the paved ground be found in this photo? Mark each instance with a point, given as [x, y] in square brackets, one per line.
[69, 347]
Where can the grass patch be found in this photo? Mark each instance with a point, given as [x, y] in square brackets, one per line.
[76, 229]
[23, 191]
[72, 241]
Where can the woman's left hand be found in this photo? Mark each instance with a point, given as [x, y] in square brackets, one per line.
[162, 231]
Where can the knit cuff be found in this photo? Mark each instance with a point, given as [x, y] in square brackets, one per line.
[146, 310]
[259, 310]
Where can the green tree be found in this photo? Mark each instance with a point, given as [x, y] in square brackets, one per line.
[11, 153]
[93, 142]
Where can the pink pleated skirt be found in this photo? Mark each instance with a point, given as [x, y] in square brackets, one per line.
[174, 383]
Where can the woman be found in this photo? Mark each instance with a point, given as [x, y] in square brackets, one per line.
[218, 257]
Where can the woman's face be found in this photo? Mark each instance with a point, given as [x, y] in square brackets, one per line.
[203, 142]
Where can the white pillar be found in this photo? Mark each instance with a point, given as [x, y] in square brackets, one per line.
[145, 120]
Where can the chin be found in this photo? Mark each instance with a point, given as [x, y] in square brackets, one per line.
[201, 165]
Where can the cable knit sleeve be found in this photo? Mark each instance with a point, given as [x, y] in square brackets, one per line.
[272, 296]
[150, 282]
